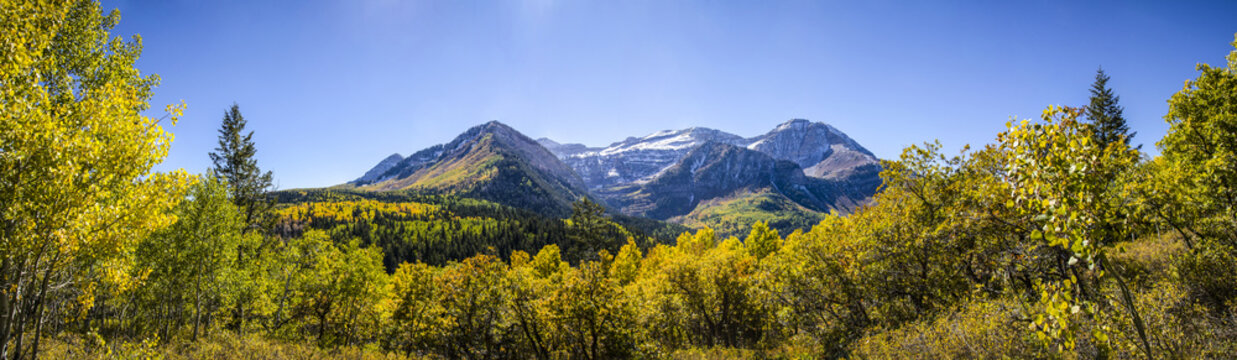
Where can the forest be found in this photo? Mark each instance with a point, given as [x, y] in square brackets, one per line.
[1056, 240]
[435, 229]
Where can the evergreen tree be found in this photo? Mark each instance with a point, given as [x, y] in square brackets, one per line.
[248, 185]
[1105, 114]
[234, 161]
[588, 226]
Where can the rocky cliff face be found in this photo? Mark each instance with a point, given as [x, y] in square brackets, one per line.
[635, 159]
[716, 170]
[820, 149]
[376, 172]
[806, 143]
[823, 152]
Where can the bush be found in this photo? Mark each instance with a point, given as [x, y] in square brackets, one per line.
[981, 329]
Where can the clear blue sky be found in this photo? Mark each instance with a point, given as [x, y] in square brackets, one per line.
[333, 86]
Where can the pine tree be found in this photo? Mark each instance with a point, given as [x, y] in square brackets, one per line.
[248, 185]
[1105, 114]
[234, 161]
[588, 223]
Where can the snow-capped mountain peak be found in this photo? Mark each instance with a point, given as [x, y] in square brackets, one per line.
[639, 159]
[636, 159]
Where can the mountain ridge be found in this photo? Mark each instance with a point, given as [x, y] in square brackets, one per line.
[491, 161]
[796, 171]
[820, 149]
[714, 171]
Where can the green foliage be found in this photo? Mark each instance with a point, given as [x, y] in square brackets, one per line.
[341, 298]
[591, 319]
[985, 329]
[248, 186]
[815, 282]
[548, 261]
[234, 161]
[1194, 188]
[416, 318]
[626, 264]
[697, 244]
[1037, 246]
[436, 230]
[762, 241]
[474, 299]
[187, 266]
[1105, 115]
[707, 294]
[76, 153]
[590, 231]
[735, 216]
[1061, 180]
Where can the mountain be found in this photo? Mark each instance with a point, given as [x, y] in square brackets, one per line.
[563, 150]
[635, 159]
[492, 162]
[788, 176]
[823, 152]
[376, 172]
[718, 176]
[820, 149]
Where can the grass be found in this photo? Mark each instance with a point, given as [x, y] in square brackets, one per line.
[222, 345]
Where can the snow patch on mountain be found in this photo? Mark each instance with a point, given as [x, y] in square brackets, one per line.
[637, 160]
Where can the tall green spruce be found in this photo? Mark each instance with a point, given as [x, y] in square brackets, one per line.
[248, 187]
[1105, 114]
[587, 227]
[234, 162]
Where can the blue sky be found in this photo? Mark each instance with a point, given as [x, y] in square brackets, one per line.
[333, 86]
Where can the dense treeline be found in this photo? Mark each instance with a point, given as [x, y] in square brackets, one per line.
[1048, 243]
[434, 229]
[657, 231]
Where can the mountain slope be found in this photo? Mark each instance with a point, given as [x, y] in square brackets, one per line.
[635, 159]
[789, 176]
[823, 152]
[491, 162]
[820, 149]
[376, 172]
[823, 149]
[716, 173]
[735, 214]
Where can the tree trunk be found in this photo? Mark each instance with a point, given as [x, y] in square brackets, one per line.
[39, 302]
[6, 307]
[197, 306]
[1129, 304]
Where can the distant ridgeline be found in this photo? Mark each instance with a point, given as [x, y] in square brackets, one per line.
[436, 229]
[789, 177]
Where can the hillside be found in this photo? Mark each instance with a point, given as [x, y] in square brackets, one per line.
[491, 162]
[735, 214]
